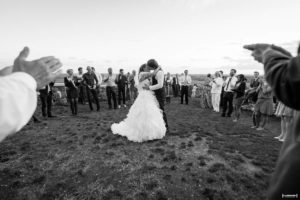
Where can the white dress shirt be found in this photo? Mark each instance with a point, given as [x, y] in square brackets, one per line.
[18, 101]
[230, 84]
[185, 80]
[160, 81]
[99, 77]
[111, 80]
[216, 87]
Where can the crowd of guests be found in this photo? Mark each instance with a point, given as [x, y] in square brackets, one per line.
[217, 92]
[121, 89]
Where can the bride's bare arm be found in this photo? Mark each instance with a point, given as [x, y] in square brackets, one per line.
[145, 75]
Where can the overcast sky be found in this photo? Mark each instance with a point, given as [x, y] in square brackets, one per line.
[199, 35]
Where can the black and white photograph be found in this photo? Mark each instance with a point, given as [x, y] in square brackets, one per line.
[149, 100]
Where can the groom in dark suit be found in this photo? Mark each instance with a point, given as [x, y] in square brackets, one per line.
[158, 88]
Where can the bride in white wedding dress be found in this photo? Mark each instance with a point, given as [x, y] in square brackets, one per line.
[144, 120]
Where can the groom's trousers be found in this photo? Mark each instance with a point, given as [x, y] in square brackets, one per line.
[162, 107]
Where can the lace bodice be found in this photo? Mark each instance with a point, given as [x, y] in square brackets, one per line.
[144, 82]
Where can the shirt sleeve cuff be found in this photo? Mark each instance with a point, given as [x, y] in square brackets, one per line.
[26, 78]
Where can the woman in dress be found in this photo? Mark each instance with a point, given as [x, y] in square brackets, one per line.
[286, 115]
[194, 90]
[207, 91]
[145, 120]
[72, 91]
[239, 92]
[264, 106]
[216, 90]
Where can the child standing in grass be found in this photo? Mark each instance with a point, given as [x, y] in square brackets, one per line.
[194, 90]
[264, 106]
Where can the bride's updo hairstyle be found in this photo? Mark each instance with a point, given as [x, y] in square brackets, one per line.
[152, 63]
[142, 68]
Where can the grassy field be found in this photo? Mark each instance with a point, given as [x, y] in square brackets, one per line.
[204, 157]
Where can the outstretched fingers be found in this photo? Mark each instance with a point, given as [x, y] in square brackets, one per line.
[23, 54]
[56, 66]
[47, 59]
[250, 47]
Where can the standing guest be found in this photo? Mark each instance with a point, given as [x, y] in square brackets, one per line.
[207, 91]
[72, 91]
[46, 100]
[229, 84]
[23, 78]
[127, 93]
[99, 77]
[222, 91]
[56, 96]
[91, 81]
[264, 106]
[283, 74]
[239, 92]
[251, 92]
[81, 86]
[168, 86]
[194, 90]
[175, 85]
[216, 89]
[121, 81]
[111, 88]
[286, 115]
[186, 81]
[133, 86]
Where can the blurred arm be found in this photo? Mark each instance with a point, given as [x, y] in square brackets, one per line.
[283, 75]
[18, 101]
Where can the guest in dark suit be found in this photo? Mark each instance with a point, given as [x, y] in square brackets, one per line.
[121, 82]
[239, 92]
[72, 91]
[282, 71]
[175, 85]
[46, 100]
[91, 82]
[81, 87]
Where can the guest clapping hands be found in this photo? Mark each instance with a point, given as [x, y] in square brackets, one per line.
[26, 77]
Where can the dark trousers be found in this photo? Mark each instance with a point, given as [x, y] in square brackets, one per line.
[175, 90]
[222, 97]
[121, 95]
[73, 105]
[92, 93]
[185, 92]
[46, 100]
[161, 103]
[82, 94]
[228, 102]
[110, 92]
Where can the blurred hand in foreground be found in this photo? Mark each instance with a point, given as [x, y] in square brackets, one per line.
[43, 70]
[258, 50]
